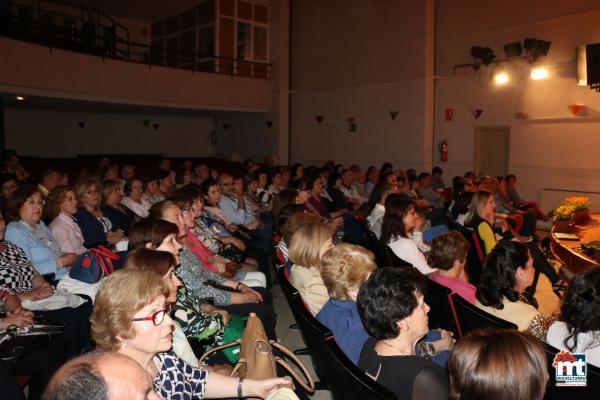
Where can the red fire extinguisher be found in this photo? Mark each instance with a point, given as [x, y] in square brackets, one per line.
[443, 146]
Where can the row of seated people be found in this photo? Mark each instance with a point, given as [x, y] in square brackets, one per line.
[329, 289]
[227, 200]
[188, 246]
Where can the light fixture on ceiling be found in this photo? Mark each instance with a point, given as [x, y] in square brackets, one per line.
[539, 73]
[501, 77]
[19, 98]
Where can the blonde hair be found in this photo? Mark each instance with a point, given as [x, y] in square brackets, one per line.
[123, 294]
[108, 186]
[306, 244]
[477, 205]
[82, 186]
[345, 268]
[296, 220]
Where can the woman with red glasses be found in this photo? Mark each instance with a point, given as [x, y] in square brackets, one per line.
[131, 316]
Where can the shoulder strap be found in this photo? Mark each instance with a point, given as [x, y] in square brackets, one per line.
[238, 342]
[309, 385]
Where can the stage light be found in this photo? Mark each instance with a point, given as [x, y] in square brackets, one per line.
[513, 49]
[536, 48]
[485, 54]
[20, 98]
[539, 73]
[501, 78]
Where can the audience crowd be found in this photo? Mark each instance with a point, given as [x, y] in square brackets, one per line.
[196, 248]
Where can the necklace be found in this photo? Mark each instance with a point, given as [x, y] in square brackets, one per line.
[403, 351]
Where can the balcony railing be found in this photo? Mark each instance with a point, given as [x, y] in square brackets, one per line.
[91, 31]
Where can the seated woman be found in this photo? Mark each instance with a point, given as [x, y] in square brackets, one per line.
[242, 301]
[377, 206]
[295, 216]
[212, 214]
[152, 193]
[449, 256]
[134, 199]
[95, 227]
[340, 201]
[163, 264]
[198, 318]
[316, 203]
[18, 275]
[511, 190]
[393, 310]
[120, 216]
[578, 330]
[307, 246]
[481, 217]
[344, 268]
[28, 231]
[507, 272]
[246, 273]
[60, 207]
[131, 317]
[401, 229]
[227, 246]
[498, 364]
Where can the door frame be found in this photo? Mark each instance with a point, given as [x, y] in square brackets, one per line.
[476, 162]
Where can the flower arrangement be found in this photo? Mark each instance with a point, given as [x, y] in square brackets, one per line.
[564, 212]
[578, 203]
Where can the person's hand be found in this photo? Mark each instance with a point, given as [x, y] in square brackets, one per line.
[223, 313]
[264, 387]
[220, 266]
[245, 289]
[232, 227]
[419, 223]
[252, 225]
[67, 259]
[208, 308]
[446, 342]
[15, 319]
[43, 292]
[23, 312]
[115, 237]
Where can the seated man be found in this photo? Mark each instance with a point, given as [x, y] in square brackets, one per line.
[233, 205]
[437, 182]
[434, 199]
[101, 376]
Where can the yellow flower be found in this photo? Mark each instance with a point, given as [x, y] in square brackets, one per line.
[564, 212]
[578, 202]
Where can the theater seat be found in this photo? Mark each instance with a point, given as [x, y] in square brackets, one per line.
[471, 317]
[441, 313]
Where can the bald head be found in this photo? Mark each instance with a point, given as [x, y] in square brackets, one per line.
[101, 376]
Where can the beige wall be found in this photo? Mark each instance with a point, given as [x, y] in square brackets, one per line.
[34, 70]
[357, 59]
[57, 133]
[550, 149]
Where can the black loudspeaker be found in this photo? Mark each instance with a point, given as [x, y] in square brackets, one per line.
[513, 49]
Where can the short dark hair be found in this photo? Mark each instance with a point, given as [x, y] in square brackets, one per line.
[377, 194]
[127, 186]
[448, 247]
[396, 208]
[82, 381]
[150, 230]
[423, 175]
[498, 274]
[498, 364]
[388, 296]
[158, 262]
[437, 170]
[580, 309]
[511, 176]
[17, 199]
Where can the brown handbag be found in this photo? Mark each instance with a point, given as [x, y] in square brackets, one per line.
[256, 357]
[231, 269]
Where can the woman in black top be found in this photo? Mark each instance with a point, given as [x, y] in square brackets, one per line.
[392, 309]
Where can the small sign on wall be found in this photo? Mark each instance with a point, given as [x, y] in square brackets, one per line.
[449, 114]
[352, 126]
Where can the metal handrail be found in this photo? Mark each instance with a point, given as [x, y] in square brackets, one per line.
[89, 35]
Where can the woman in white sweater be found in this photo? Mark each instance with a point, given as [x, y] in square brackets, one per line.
[399, 221]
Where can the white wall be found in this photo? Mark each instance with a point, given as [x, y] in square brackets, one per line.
[550, 149]
[358, 59]
[57, 133]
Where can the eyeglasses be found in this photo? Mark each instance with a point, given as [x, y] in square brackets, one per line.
[158, 317]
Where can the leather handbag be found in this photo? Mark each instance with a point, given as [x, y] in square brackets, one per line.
[257, 360]
[231, 269]
[94, 264]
